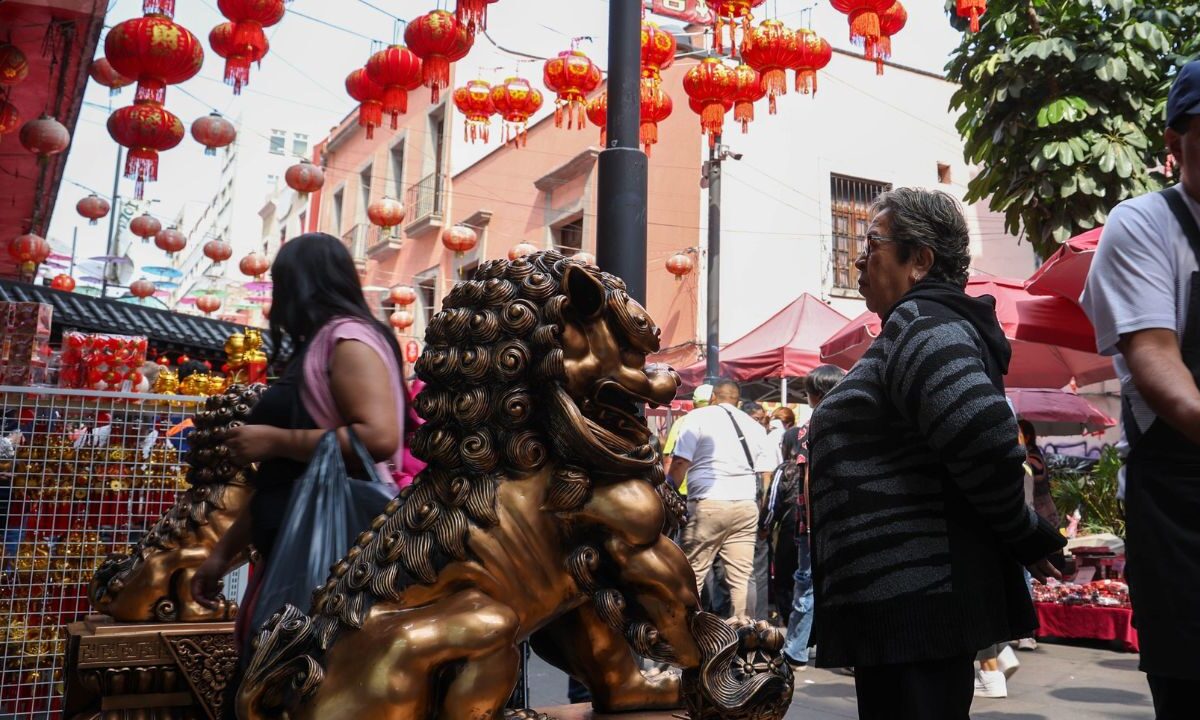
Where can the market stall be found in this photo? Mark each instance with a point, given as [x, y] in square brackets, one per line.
[1093, 611]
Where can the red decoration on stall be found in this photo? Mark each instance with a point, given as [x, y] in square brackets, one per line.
[30, 251]
[771, 49]
[972, 10]
[656, 106]
[402, 295]
[474, 101]
[397, 70]
[170, 240]
[658, 50]
[93, 207]
[710, 86]
[155, 51]
[597, 113]
[304, 177]
[680, 264]
[516, 101]
[520, 250]
[585, 257]
[731, 13]
[439, 39]
[254, 265]
[146, 128]
[213, 131]
[141, 288]
[891, 22]
[402, 319]
[207, 304]
[864, 22]
[473, 13]
[101, 70]
[749, 90]
[10, 117]
[218, 251]
[44, 137]
[145, 226]
[412, 351]
[14, 66]
[386, 213]
[247, 42]
[66, 283]
[571, 75]
[240, 48]
[815, 54]
[460, 239]
[369, 96]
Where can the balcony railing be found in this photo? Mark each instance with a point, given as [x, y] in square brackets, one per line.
[424, 201]
[356, 239]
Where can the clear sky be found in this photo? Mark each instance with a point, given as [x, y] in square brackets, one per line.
[299, 86]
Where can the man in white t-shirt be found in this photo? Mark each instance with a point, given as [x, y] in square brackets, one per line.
[1143, 297]
[725, 457]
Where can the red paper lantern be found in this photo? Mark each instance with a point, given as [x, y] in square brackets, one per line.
[658, 49]
[571, 75]
[10, 117]
[369, 97]
[218, 251]
[771, 49]
[146, 128]
[585, 257]
[397, 70]
[474, 101]
[473, 13]
[711, 86]
[439, 39]
[156, 51]
[213, 131]
[730, 13]
[401, 319]
[103, 73]
[597, 113]
[141, 288]
[254, 265]
[93, 207]
[680, 264]
[170, 240]
[66, 283]
[460, 239]
[14, 67]
[44, 137]
[30, 251]
[815, 54]
[516, 101]
[972, 10]
[241, 46]
[207, 304]
[864, 22]
[656, 106]
[520, 250]
[402, 295]
[304, 177]
[891, 22]
[386, 213]
[749, 90]
[145, 226]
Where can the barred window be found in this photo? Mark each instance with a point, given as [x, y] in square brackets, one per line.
[851, 200]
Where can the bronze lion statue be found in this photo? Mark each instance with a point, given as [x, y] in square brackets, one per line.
[541, 516]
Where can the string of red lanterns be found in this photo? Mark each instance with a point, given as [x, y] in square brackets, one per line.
[170, 241]
[571, 75]
[397, 70]
[213, 132]
[218, 251]
[474, 101]
[103, 73]
[863, 16]
[369, 96]
[656, 106]
[93, 207]
[438, 39]
[44, 137]
[749, 90]
[145, 226]
[731, 13]
[402, 295]
[244, 42]
[254, 265]
[386, 213]
[710, 87]
[304, 178]
[815, 54]
[772, 49]
[516, 101]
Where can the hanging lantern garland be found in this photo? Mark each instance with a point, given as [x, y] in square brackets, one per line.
[93, 207]
[14, 66]
[771, 49]
[170, 241]
[731, 13]
[213, 132]
[891, 22]
[244, 42]
[710, 87]
[815, 54]
[155, 51]
[472, 13]
[145, 226]
[597, 113]
[304, 178]
[44, 137]
[864, 22]
[369, 96]
[397, 70]
[474, 101]
[101, 71]
[972, 10]
[146, 128]
[516, 101]
[656, 106]
[439, 39]
[749, 90]
[571, 75]
[658, 50]
[386, 213]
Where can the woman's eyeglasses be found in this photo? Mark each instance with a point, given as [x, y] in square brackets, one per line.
[874, 241]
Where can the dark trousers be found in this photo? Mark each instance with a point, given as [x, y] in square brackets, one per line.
[1174, 698]
[931, 690]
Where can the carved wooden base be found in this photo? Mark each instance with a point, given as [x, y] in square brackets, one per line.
[148, 671]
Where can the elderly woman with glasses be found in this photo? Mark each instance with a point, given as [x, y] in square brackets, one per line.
[919, 524]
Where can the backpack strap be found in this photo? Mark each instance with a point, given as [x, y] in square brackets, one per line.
[742, 438]
[1183, 214]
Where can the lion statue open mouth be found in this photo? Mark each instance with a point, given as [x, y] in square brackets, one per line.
[541, 516]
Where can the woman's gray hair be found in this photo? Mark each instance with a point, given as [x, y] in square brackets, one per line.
[933, 219]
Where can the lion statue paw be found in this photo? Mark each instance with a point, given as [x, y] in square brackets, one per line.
[742, 674]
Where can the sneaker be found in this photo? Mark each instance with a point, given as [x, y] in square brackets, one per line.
[1008, 662]
[990, 684]
[1027, 644]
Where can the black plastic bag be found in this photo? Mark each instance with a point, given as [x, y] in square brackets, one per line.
[327, 512]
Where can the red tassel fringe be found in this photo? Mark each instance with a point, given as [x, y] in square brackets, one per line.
[158, 7]
[237, 72]
[435, 74]
[141, 164]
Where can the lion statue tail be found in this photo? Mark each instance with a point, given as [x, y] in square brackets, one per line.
[285, 668]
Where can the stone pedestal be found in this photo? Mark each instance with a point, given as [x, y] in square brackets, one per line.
[148, 671]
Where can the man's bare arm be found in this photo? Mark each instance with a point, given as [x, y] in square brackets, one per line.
[1163, 379]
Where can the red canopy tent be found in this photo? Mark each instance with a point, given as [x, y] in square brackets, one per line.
[1065, 272]
[1057, 412]
[786, 345]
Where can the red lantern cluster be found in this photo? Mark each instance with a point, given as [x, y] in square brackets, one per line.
[243, 41]
[680, 264]
[891, 22]
[571, 75]
[14, 66]
[516, 101]
[170, 241]
[254, 265]
[30, 251]
[145, 226]
[44, 137]
[142, 288]
[438, 39]
[386, 213]
[218, 251]
[146, 128]
[459, 239]
[369, 97]
[658, 50]
[63, 282]
[304, 177]
[731, 13]
[473, 13]
[749, 90]
[102, 72]
[864, 22]
[710, 86]
[213, 132]
[771, 49]
[397, 70]
[656, 106]
[474, 101]
[815, 54]
[972, 10]
[93, 207]
[155, 51]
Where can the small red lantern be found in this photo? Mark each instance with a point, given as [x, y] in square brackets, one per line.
[207, 304]
[370, 100]
[93, 207]
[304, 177]
[656, 106]
[146, 128]
[516, 101]
[66, 283]
[10, 117]
[241, 46]
[460, 239]
[972, 10]
[585, 257]
[731, 13]
[473, 13]
[401, 319]
[254, 265]
[156, 51]
[891, 22]
[711, 86]
[597, 113]
[170, 241]
[397, 70]
[142, 288]
[771, 49]
[658, 49]
[213, 131]
[30, 251]
[815, 54]
[386, 213]
[749, 91]
[571, 75]
[145, 226]
[103, 73]
[439, 39]
[474, 101]
[864, 22]
[218, 251]
[402, 295]
[44, 137]
[14, 67]
[520, 250]
[680, 264]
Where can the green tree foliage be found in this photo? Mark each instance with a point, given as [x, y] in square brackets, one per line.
[1062, 106]
[1092, 493]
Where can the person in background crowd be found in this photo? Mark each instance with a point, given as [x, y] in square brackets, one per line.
[919, 523]
[701, 397]
[1043, 497]
[757, 413]
[779, 518]
[757, 602]
[1142, 297]
[817, 385]
[724, 455]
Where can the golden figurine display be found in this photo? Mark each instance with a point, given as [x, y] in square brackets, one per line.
[543, 515]
[167, 382]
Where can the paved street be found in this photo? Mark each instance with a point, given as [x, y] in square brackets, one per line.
[1057, 682]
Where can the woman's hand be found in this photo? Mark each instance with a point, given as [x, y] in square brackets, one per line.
[254, 443]
[1043, 570]
[206, 583]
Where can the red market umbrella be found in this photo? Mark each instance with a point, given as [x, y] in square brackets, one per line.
[1065, 272]
[1058, 412]
[1051, 338]
[786, 345]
